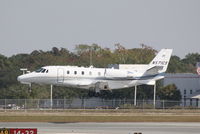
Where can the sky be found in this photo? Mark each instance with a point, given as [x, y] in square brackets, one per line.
[27, 25]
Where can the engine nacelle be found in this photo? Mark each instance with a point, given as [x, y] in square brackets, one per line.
[101, 86]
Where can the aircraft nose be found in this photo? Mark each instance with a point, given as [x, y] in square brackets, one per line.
[19, 78]
[24, 79]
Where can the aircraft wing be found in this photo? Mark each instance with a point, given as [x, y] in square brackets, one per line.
[84, 83]
[97, 85]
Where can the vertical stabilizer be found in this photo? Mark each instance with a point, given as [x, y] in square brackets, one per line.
[161, 60]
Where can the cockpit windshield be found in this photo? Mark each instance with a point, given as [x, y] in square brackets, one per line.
[41, 70]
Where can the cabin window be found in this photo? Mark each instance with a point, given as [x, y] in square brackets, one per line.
[43, 70]
[82, 72]
[68, 72]
[99, 73]
[75, 72]
[47, 71]
[90, 73]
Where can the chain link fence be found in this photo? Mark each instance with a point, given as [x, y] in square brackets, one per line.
[97, 103]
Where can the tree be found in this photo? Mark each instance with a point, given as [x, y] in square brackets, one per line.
[121, 53]
[101, 57]
[176, 65]
[169, 92]
[192, 58]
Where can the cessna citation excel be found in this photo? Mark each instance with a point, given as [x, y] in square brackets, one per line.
[127, 75]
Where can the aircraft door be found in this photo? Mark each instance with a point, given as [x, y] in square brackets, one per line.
[60, 75]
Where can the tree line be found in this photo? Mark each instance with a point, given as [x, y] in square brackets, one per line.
[85, 55]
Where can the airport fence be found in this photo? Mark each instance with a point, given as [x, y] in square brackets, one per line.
[42, 104]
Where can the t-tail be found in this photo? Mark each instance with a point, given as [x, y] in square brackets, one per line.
[160, 63]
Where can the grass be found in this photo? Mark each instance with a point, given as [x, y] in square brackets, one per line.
[136, 115]
[99, 119]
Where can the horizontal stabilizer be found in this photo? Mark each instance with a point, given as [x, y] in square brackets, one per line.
[153, 70]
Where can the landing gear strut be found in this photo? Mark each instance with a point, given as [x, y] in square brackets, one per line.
[30, 89]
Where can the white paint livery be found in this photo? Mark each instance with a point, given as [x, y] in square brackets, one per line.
[101, 78]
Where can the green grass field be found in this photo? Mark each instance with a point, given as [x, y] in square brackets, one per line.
[136, 115]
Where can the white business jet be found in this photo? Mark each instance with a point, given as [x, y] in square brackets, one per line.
[127, 75]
